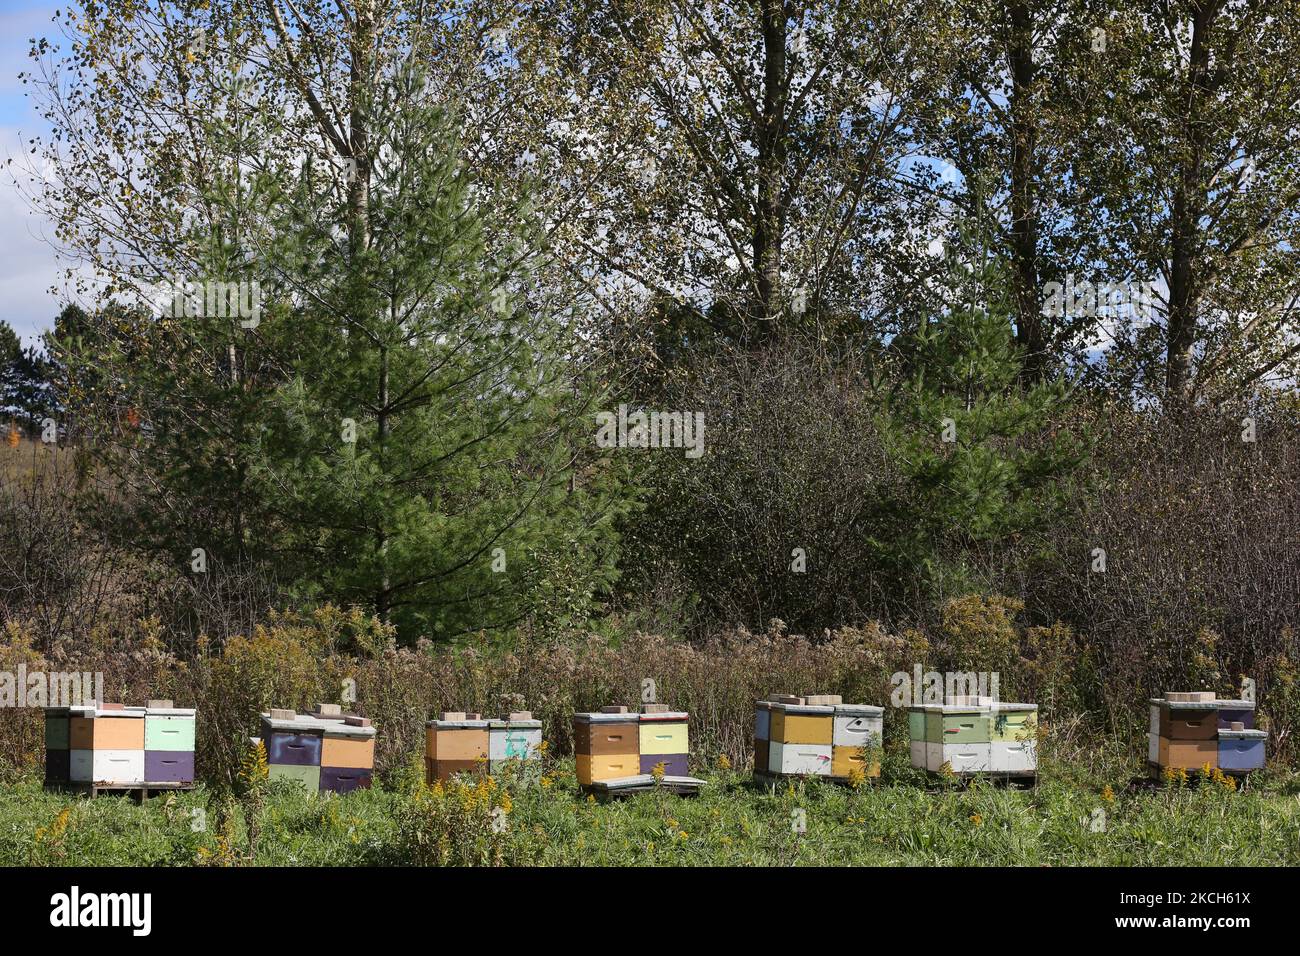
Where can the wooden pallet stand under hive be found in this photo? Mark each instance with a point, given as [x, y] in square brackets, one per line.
[325, 751]
[618, 753]
[643, 783]
[462, 742]
[1192, 729]
[119, 749]
[816, 736]
[976, 737]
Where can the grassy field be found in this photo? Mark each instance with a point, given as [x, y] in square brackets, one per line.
[1067, 821]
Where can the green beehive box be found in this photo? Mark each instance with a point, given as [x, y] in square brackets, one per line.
[168, 731]
[309, 777]
[974, 736]
[948, 725]
[1014, 723]
[56, 733]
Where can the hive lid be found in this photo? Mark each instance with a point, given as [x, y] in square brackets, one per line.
[1217, 704]
[636, 780]
[866, 710]
[1200, 705]
[665, 716]
[970, 700]
[312, 724]
[115, 712]
[171, 711]
[948, 709]
[1243, 734]
[514, 724]
[803, 708]
[1002, 707]
[458, 724]
[599, 717]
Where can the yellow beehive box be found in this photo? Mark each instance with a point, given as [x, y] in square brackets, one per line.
[664, 733]
[847, 761]
[593, 767]
[802, 724]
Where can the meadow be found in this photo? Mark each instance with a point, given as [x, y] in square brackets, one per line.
[1077, 816]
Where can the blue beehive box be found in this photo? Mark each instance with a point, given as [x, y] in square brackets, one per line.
[1241, 749]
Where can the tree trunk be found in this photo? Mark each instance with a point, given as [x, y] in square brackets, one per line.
[771, 168]
[360, 166]
[1189, 200]
[383, 596]
[1024, 211]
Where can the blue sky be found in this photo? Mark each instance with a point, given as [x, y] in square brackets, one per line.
[28, 266]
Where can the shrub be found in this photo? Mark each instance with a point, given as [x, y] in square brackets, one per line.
[460, 823]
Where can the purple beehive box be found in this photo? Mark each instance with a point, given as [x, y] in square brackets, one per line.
[169, 766]
[344, 779]
[299, 750]
[674, 764]
[1236, 710]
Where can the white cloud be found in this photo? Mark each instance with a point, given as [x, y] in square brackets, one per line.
[28, 263]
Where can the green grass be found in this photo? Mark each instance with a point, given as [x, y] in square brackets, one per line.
[730, 823]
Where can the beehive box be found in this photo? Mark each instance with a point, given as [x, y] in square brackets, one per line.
[1190, 730]
[169, 743]
[664, 741]
[1241, 750]
[973, 736]
[326, 750]
[114, 746]
[461, 742]
[606, 746]
[58, 746]
[816, 736]
[620, 750]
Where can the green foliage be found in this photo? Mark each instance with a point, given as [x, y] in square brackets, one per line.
[896, 822]
[423, 449]
[460, 823]
[25, 391]
[254, 769]
[977, 448]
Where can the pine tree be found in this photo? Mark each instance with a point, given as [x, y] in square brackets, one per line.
[975, 445]
[26, 397]
[423, 454]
